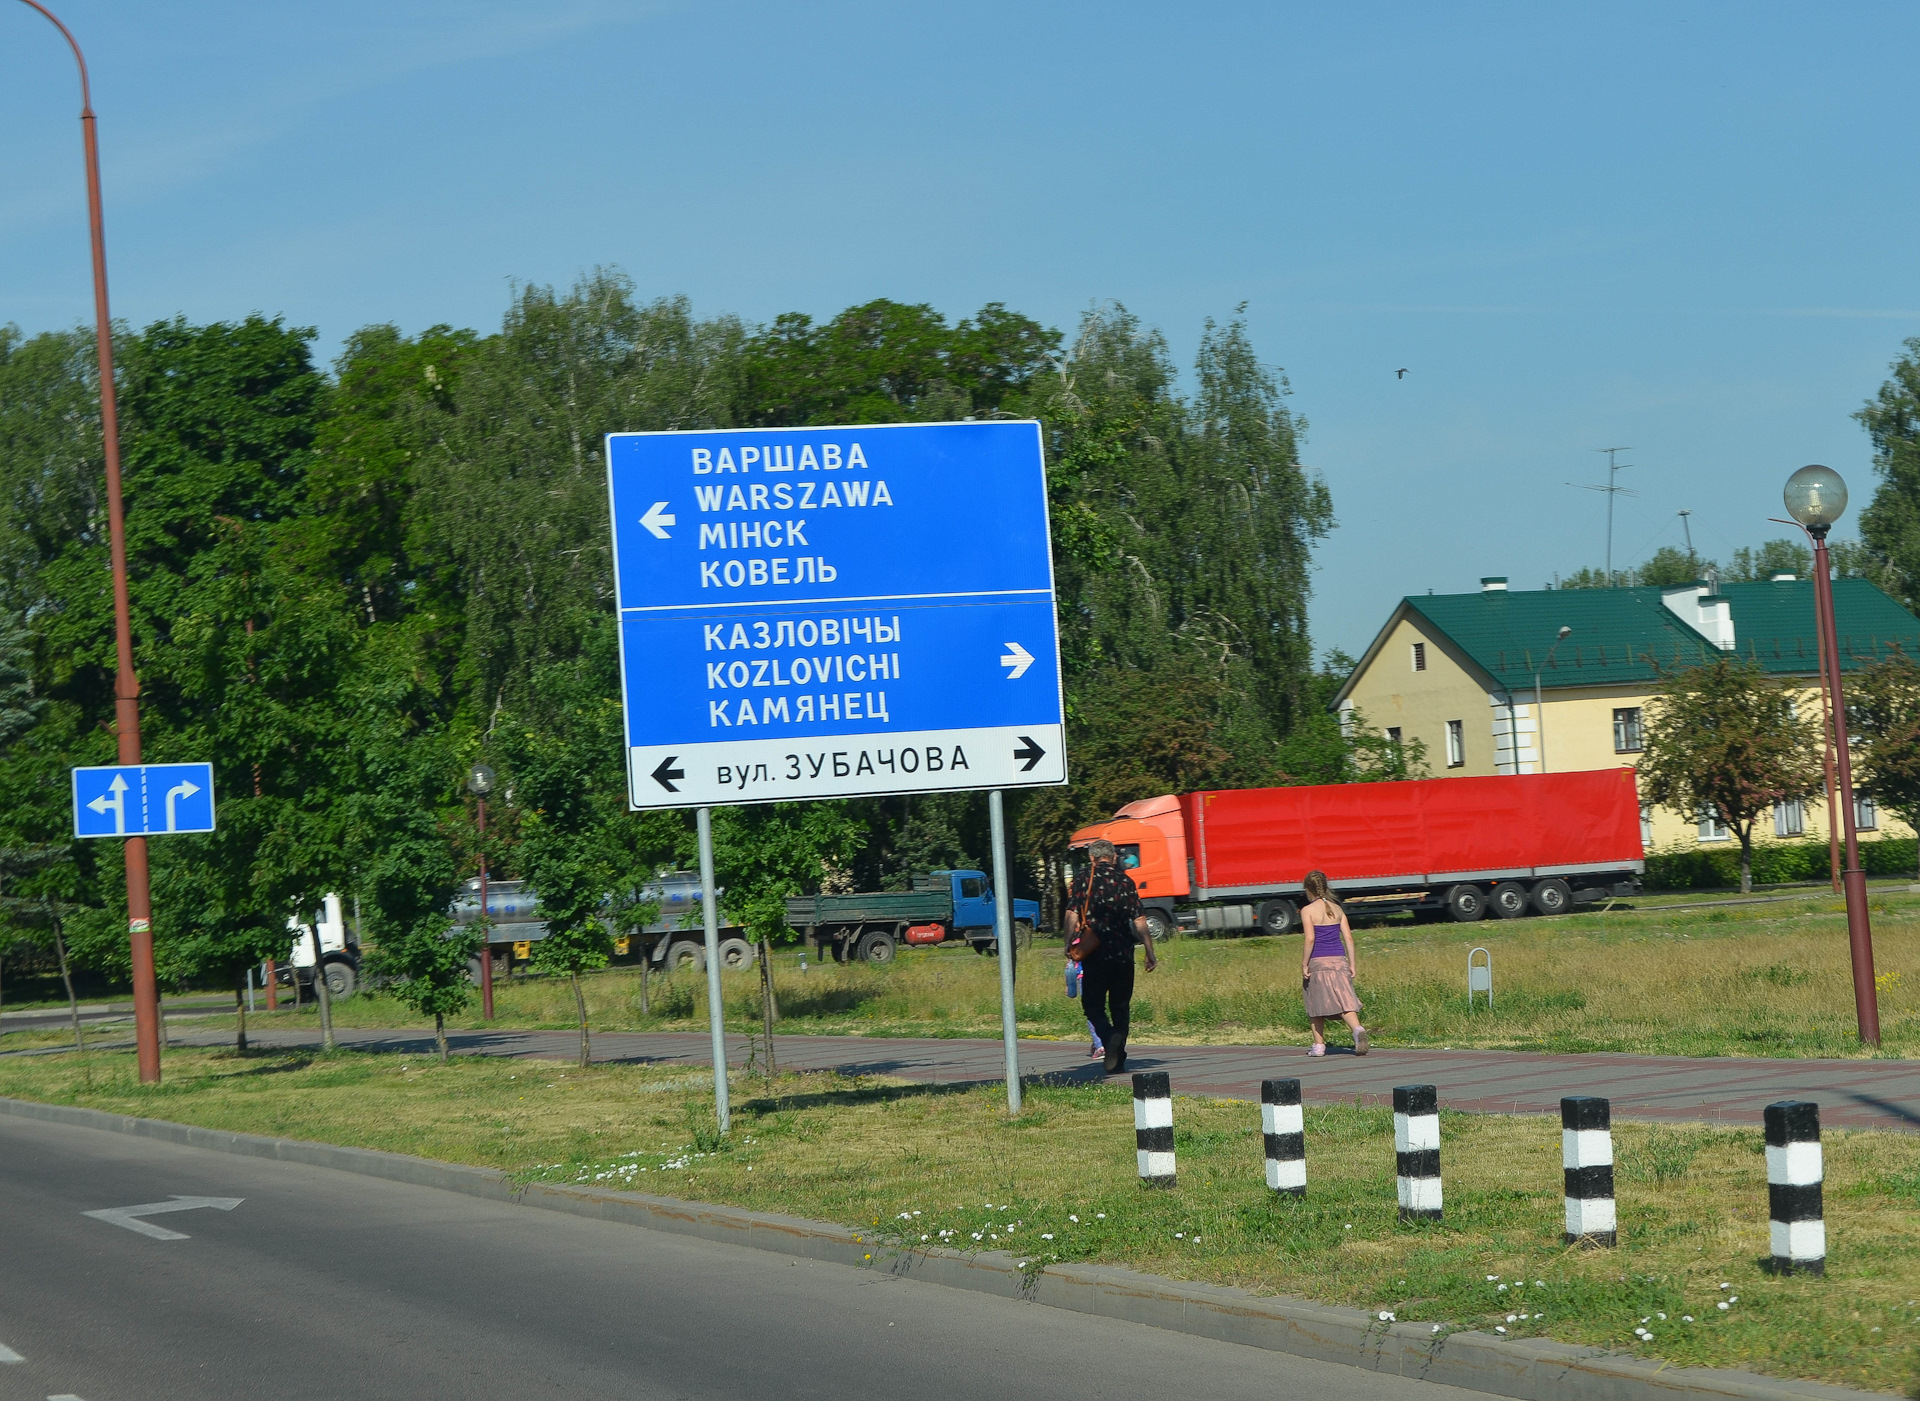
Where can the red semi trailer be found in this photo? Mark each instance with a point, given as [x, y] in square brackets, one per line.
[1460, 847]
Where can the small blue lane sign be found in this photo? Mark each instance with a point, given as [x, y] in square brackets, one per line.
[142, 800]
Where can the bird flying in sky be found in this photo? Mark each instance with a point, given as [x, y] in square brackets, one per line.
[1399, 374]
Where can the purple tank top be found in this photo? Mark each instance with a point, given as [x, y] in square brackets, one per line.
[1327, 942]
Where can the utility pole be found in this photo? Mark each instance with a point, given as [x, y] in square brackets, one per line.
[126, 685]
[1687, 526]
[1611, 489]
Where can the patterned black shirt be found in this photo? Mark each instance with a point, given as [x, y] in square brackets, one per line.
[1112, 904]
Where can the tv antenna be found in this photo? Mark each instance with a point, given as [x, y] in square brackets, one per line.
[1612, 489]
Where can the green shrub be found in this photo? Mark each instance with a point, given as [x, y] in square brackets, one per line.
[1774, 863]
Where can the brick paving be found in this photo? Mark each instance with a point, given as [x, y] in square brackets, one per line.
[1877, 1094]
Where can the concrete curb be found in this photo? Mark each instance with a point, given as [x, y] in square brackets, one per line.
[1534, 1371]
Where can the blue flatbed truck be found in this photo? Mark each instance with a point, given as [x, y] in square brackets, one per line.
[943, 907]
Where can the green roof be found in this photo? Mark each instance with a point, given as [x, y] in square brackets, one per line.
[1619, 633]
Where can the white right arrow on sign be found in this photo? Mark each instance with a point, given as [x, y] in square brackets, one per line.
[1017, 660]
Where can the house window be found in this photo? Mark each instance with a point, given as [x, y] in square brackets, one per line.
[1626, 731]
[1789, 819]
[1712, 829]
[1419, 656]
[1393, 735]
[1646, 825]
[1456, 743]
[1866, 813]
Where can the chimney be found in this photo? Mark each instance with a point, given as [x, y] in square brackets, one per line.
[1497, 584]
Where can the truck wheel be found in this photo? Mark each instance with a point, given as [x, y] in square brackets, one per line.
[876, 947]
[735, 954]
[1158, 924]
[1466, 903]
[341, 980]
[1022, 936]
[1509, 900]
[1553, 896]
[686, 954]
[1279, 917]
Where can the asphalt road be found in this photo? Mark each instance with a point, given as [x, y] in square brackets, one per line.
[1853, 1094]
[327, 1285]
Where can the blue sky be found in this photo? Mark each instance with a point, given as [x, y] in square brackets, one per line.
[1683, 229]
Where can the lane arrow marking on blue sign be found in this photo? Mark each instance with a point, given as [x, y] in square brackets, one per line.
[1017, 659]
[118, 803]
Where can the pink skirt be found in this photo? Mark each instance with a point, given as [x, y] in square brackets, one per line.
[1330, 989]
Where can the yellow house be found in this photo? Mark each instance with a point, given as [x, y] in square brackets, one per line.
[1520, 681]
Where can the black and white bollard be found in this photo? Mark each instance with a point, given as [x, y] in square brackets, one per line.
[1285, 1132]
[1794, 1175]
[1416, 1146]
[1153, 1127]
[1586, 1151]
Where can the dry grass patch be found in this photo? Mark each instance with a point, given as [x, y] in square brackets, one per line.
[909, 1161]
[1761, 980]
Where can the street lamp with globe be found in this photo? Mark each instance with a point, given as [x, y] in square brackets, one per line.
[480, 783]
[1816, 497]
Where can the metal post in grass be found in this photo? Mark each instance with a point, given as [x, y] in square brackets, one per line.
[1795, 1211]
[710, 913]
[1586, 1155]
[1003, 930]
[1416, 1147]
[1816, 497]
[1283, 1128]
[1153, 1127]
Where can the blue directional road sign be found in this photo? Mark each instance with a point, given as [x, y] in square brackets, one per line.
[832, 612]
[142, 800]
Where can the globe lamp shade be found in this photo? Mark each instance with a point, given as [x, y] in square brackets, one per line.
[1815, 496]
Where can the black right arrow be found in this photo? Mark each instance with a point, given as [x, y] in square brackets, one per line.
[1032, 753]
[667, 771]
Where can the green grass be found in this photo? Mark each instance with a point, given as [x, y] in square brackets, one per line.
[904, 1162]
[1750, 980]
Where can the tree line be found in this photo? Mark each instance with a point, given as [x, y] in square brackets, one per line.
[350, 584]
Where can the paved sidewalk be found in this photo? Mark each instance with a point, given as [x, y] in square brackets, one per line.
[1852, 1094]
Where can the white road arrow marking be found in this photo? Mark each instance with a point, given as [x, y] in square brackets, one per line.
[186, 788]
[128, 1216]
[118, 803]
[7, 1354]
[1018, 659]
[654, 519]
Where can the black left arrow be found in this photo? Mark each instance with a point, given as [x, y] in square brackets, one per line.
[668, 771]
[1032, 753]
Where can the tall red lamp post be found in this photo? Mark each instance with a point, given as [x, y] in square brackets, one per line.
[1817, 497]
[126, 685]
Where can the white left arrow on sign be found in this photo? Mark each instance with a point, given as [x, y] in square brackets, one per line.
[129, 1216]
[117, 804]
[656, 518]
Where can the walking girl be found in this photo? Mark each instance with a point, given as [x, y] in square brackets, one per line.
[1327, 966]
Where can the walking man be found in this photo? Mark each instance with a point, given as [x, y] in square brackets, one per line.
[1104, 921]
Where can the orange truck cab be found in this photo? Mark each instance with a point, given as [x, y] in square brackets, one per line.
[1151, 837]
